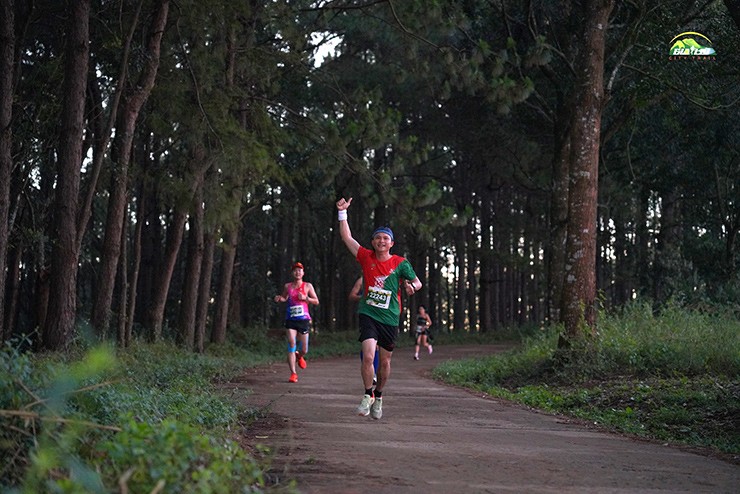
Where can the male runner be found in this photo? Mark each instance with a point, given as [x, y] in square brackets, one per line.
[380, 306]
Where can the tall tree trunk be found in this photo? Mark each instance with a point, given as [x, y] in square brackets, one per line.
[204, 291]
[473, 264]
[579, 285]
[643, 238]
[125, 129]
[487, 276]
[62, 310]
[152, 242]
[125, 338]
[460, 280]
[511, 290]
[668, 255]
[622, 271]
[558, 220]
[602, 262]
[175, 230]
[124, 286]
[13, 291]
[226, 275]
[535, 293]
[112, 237]
[7, 69]
[103, 130]
[434, 289]
[730, 221]
[188, 307]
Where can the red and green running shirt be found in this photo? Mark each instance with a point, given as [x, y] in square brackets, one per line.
[381, 297]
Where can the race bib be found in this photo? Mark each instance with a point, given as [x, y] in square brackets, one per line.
[296, 311]
[378, 297]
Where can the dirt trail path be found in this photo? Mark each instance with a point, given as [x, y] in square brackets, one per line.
[438, 439]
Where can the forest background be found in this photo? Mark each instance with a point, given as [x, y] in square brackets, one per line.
[162, 164]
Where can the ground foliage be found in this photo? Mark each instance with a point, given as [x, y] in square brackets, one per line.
[153, 417]
[671, 375]
[144, 420]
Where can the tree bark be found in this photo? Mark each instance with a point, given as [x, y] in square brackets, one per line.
[223, 296]
[460, 280]
[12, 295]
[125, 338]
[558, 220]
[124, 286]
[62, 310]
[434, 291]
[487, 275]
[103, 131]
[161, 289]
[622, 267]
[125, 128]
[194, 263]
[473, 263]
[642, 264]
[667, 265]
[579, 285]
[204, 295]
[7, 69]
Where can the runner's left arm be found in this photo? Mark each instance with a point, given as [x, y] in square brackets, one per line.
[311, 296]
[412, 286]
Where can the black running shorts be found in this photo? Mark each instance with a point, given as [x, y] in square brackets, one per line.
[386, 335]
[300, 325]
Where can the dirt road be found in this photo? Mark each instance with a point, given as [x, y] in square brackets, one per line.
[438, 439]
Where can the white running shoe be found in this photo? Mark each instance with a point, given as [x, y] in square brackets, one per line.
[430, 349]
[364, 408]
[376, 410]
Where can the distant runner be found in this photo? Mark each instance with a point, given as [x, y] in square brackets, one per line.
[423, 323]
[298, 294]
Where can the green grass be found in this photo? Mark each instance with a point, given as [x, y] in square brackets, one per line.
[95, 418]
[671, 377]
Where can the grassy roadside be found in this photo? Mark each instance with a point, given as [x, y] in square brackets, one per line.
[673, 377]
[149, 418]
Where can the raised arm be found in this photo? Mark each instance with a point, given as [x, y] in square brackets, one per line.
[344, 232]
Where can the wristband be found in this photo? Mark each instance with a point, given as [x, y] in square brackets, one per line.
[342, 215]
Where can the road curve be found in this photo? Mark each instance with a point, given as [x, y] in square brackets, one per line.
[439, 439]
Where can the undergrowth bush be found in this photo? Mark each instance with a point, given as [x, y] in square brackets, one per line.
[179, 457]
[146, 419]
